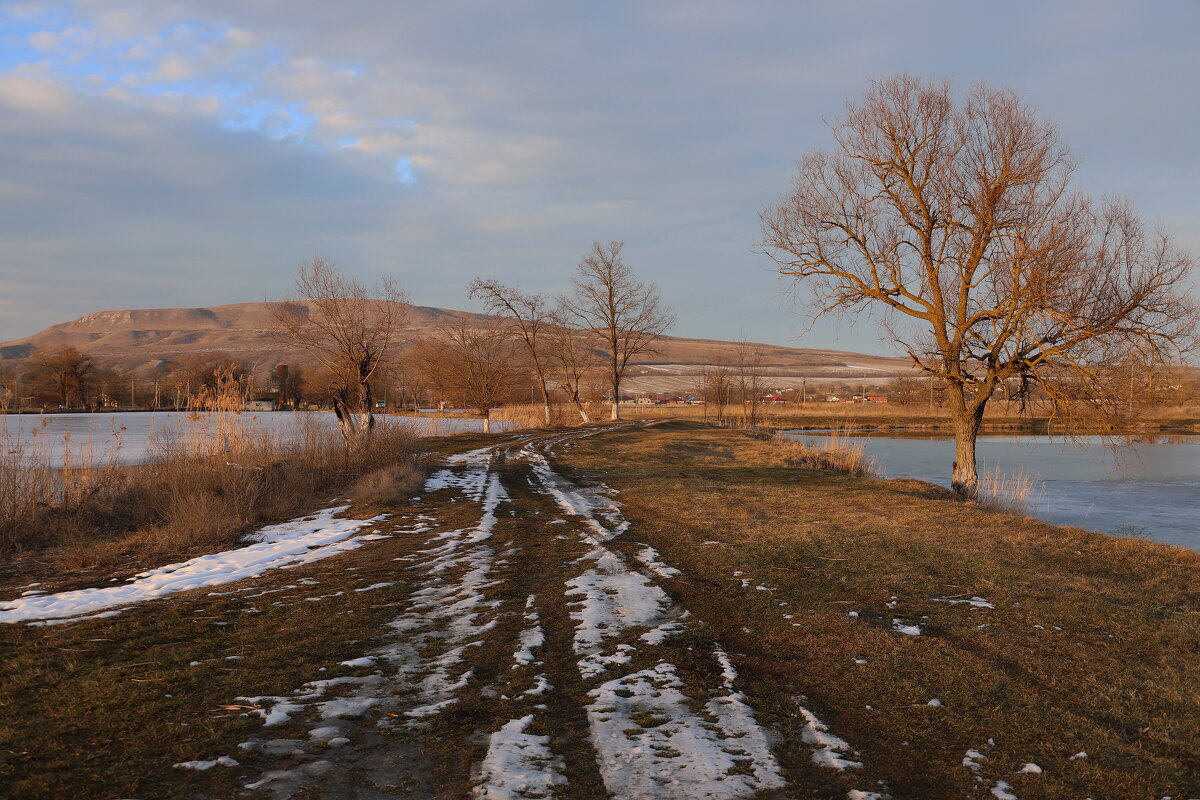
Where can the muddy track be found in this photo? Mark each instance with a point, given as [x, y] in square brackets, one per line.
[530, 658]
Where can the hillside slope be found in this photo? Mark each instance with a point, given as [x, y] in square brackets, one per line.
[148, 339]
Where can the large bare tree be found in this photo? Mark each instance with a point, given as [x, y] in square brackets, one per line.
[624, 312]
[528, 318]
[955, 219]
[350, 330]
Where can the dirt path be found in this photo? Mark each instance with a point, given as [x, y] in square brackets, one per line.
[529, 659]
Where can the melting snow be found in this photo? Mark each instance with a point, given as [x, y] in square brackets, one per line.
[900, 626]
[299, 541]
[650, 744]
[828, 750]
[224, 761]
[1001, 791]
[518, 764]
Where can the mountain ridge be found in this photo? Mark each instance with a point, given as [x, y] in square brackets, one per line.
[145, 340]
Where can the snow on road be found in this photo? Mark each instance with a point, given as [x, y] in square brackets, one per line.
[300, 541]
[650, 739]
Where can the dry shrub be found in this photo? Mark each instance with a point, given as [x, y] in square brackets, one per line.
[834, 454]
[390, 484]
[201, 487]
[523, 416]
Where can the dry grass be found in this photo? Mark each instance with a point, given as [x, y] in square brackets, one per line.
[201, 486]
[834, 453]
[391, 484]
[1001, 416]
[1090, 645]
[1009, 493]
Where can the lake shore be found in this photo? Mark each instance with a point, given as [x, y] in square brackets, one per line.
[1001, 418]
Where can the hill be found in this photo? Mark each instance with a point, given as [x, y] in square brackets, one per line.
[146, 340]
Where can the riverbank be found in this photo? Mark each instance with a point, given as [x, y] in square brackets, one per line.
[1001, 417]
[745, 625]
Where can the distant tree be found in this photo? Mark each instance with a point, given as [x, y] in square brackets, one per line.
[198, 375]
[574, 358]
[287, 381]
[527, 317]
[625, 313]
[12, 388]
[954, 220]
[65, 375]
[348, 329]
[478, 367]
[716, 384]
[748, 379]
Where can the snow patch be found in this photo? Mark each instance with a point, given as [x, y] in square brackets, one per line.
[518, 764]
[290, 544]
[650, 744]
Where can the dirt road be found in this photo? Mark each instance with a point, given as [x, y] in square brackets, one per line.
[526, 639]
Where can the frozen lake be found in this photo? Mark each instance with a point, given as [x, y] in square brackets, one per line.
[127, 437]
[1148, 484]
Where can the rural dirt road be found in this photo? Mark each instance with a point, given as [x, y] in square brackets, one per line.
[562, 663]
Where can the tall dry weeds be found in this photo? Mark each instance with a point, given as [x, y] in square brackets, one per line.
[202, 484]
[1011, 493]
[834, 453]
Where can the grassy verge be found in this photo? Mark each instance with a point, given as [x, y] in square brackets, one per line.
[200, 489]
[1091, 644]
[1001, 417]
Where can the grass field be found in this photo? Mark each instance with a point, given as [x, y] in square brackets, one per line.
[792, 594]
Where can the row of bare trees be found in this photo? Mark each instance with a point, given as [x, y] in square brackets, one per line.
[71, 379]
[357, 336]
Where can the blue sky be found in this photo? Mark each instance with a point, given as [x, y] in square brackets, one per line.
[192, 152]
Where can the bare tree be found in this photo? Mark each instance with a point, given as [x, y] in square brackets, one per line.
[748, 379]
[574, 358]
[624, 312]
[476, 366]
[349, 330]
[67, 374]
[528, 317]
[717, 386]
[955, 220]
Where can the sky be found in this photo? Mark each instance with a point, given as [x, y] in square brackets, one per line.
[193, 152]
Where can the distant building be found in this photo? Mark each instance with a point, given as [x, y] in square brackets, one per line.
[261, 404]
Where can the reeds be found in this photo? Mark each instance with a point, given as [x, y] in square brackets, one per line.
[1011, 493]
[201, 485]
[833, 452]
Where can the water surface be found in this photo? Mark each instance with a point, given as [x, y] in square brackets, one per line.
[127, 438]
[1143, 485]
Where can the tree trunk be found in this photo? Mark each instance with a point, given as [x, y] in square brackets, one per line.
[545, 400]
[581, 408]
[487, 420]
[964, 481]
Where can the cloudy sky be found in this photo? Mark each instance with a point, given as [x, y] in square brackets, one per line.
[192, 152]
